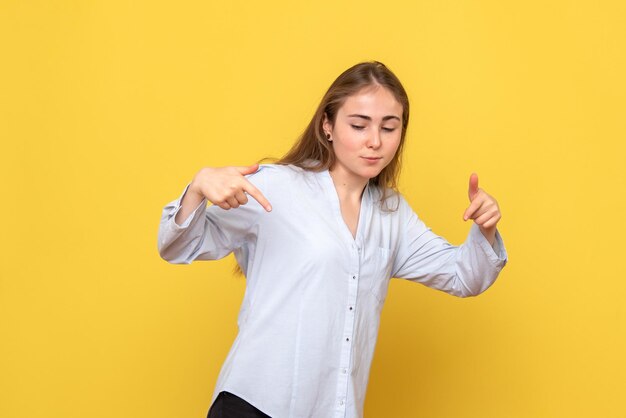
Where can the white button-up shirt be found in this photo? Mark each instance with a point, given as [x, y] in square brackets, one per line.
[309, 319]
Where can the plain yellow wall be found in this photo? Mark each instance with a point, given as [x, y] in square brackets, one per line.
[108, 108]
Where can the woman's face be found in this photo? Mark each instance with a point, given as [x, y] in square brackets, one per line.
[366, 134]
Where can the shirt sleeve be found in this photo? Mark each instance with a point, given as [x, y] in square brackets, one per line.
[208, 233]
[465, 270]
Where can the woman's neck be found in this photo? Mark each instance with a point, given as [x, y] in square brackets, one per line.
[348, 187]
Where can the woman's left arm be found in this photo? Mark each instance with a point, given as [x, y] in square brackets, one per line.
[465, 270]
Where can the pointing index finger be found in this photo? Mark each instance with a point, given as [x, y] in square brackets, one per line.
[473, 207]
[257, 195]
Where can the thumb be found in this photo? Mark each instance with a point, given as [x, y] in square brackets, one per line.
[248, 169]
[473, 186]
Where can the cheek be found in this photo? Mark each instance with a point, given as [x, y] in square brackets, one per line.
[393, 145]
[345, 150]
[349, 141]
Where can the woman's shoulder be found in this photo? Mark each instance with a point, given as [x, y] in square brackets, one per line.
[275, 173]
[279, 170]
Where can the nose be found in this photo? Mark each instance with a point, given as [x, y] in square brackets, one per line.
[374, 139]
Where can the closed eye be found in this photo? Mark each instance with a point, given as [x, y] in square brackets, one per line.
[389, 129]
[357, 127]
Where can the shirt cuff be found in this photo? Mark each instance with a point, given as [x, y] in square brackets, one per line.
[192, 215]
[496, 253]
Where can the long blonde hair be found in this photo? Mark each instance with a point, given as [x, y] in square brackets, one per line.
[313, 144]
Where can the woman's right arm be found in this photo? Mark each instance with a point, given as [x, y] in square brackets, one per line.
[187, 232]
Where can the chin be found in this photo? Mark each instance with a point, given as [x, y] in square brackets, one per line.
[370, 174]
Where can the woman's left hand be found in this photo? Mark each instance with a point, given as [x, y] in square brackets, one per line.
[483, 209]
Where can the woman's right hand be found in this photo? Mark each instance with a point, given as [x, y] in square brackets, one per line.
[226, 187]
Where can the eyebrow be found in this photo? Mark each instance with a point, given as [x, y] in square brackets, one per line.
[369, 118]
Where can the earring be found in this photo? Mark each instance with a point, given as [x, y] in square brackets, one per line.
[328, 137]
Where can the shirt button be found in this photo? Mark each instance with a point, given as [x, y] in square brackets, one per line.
[344, 371]
[347, 339]
[350, 307]
[341, 402]
[353, 277]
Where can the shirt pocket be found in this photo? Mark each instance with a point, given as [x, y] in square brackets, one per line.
[380, 275]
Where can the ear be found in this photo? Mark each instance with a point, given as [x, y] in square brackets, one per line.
[326, 125]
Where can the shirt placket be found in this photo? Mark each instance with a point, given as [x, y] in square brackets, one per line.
[348, 331]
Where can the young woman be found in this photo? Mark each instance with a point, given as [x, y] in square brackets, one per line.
[324, 232]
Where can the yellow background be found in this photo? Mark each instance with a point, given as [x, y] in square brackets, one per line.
[108, 109]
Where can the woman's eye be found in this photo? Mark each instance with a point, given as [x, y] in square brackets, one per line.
[357, 127]
[389, 129]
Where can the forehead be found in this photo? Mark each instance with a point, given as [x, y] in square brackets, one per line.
[373, 101]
